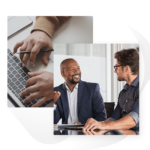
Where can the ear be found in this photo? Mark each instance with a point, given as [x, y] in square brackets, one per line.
[62, 74]
[127, 68]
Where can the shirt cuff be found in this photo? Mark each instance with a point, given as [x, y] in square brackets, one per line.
[135, 116]
[111, 119]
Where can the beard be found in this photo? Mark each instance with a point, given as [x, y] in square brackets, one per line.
[73, 81]
[120, 79]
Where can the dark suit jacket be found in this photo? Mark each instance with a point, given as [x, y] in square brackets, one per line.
[90, 103]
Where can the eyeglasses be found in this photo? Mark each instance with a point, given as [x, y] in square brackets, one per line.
[115, 67]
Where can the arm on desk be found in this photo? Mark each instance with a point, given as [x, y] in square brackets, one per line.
[127, 122]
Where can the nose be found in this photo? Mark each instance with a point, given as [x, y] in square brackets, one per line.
[115, 71]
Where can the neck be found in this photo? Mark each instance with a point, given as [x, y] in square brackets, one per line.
[71, 86]
[130, 78]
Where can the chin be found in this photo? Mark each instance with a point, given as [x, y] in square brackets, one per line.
[120, 79]
[75, 81]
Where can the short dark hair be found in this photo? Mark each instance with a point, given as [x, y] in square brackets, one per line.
[64, 61]
[129, 57]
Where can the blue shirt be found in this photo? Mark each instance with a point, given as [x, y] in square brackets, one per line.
[128, 103]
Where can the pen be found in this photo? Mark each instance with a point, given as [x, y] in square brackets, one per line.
[27, 52]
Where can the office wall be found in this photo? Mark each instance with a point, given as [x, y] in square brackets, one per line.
[133, 45]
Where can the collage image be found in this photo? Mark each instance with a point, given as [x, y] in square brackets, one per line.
[93, 88]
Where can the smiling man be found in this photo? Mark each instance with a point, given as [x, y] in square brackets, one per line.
[126, 113]
[78, 100]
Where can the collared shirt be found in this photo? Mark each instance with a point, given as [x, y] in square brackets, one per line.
[72, 101]
[128, 102]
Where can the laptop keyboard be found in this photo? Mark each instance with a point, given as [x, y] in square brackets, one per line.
[17, 77]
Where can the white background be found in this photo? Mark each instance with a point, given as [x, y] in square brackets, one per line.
[108, 27]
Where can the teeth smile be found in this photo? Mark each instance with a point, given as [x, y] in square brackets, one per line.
[77, 76]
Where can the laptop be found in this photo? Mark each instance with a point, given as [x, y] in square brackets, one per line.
[17, 77]
[68, 126]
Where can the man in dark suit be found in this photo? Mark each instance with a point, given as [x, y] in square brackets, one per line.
[79, 100]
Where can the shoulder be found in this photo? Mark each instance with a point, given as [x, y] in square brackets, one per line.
[57, 88]
[121, 93]
[90, 85]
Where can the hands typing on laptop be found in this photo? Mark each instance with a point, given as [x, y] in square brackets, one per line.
[39, 84]
[30, 89]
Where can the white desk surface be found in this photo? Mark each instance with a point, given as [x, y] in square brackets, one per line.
[77, 29]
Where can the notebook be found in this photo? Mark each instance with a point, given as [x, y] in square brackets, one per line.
[17, 23]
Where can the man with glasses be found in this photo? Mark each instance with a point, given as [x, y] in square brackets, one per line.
[126, 113]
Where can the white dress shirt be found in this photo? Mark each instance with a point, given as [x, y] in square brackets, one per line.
[72, 101]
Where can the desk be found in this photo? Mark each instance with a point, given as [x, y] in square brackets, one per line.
[96, 132]
[74, 30]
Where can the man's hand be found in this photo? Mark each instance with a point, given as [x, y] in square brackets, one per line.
[92, 124]
[34, 42]
[39, 85]
[56, 96]
[76, 123]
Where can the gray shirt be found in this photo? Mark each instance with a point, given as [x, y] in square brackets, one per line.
[128, 103]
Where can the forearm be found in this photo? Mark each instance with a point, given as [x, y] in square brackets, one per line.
[43, 23]
[107, 121]
[49, 23]
[126, 122]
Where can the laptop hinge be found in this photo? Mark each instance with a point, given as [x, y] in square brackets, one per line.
[12, 101]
